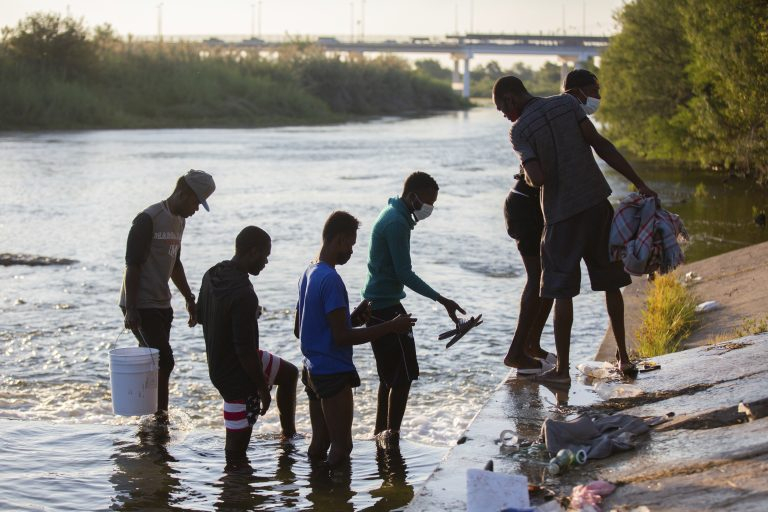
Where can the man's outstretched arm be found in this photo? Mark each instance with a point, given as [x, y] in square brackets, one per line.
[400, 249]
[608, 152]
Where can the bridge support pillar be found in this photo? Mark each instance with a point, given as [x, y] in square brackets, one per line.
[465, 92]
[565, 66]
[564, 69]
[455, 76]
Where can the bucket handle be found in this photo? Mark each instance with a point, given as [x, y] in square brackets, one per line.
[142, 341]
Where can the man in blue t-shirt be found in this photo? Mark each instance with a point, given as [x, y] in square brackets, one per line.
[327, 332]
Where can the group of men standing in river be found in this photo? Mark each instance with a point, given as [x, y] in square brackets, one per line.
[569, 220]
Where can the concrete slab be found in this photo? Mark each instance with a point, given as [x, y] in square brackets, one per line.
[519, 405]
[706, 378]
[670, 470]
[705, 366]
[732, 486]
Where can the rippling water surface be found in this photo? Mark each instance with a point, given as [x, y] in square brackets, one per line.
[73, 195]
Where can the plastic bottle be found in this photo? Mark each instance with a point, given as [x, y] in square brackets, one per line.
[553, 468]
[565, 458]
[508, 441]
[595, 370]
[508, 438]
[609, 390]
[561, 462]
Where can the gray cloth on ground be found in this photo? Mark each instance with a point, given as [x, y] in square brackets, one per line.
[599, 437]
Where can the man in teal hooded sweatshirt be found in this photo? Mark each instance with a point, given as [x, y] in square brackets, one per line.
[389, 270]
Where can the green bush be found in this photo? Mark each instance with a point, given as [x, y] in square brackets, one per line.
[686, 81]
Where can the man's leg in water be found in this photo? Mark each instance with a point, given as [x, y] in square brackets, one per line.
[318, 447]
[337, 411]
[235, 449]
[530, 311]
[398, 399]
[285, 380]
[614, 302]
[382, 409]
[155, 332]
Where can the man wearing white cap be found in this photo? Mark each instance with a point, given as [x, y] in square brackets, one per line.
[152, 257]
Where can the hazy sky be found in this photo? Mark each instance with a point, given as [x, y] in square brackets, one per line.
[329, 17]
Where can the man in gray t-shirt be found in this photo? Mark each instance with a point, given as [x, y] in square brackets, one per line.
[554, 139]
[152, 257]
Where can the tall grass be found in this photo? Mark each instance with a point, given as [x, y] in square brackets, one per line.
[668, 317]
[142, 85]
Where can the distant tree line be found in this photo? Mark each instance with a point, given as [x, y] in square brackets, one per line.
[57, 73]
[544, 81]
[687, 81]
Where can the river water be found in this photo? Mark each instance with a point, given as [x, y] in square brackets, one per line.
[73, 195]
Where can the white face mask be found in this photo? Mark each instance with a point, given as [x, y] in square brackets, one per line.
[591, 106]
[424, 211]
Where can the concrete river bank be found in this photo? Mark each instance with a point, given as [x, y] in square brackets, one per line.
[710, 454]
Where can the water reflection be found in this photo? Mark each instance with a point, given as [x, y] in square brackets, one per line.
[143, 477]
[330, 488]
[395, 491]
[238, 492]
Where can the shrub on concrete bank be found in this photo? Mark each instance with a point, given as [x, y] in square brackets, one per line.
[668, 317]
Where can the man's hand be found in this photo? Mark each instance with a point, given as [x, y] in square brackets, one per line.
[361, 314]
[401, 324]
[265, 399]
[132, 319]
[645, 191]
[451, 307]
[192, 310]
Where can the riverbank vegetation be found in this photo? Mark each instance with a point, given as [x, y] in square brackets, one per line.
[55, 73]
[668, 317]
[544, 81]
[686, 82]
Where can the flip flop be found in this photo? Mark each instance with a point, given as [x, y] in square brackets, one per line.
[648, 366]
[552, 379]
[463, 327]
[545, 367]
[551, 359]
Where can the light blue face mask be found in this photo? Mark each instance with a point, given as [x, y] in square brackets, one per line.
[591, 106]
[424, 211]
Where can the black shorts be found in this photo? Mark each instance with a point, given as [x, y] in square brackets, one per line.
[583, 236]
[326, 386]
[395, 353]
[156, 332]
[525, 222]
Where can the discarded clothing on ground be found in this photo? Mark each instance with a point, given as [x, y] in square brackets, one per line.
[588, 497]
[645, 237]
[598, 437]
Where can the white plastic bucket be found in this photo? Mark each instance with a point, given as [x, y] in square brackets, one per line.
[133, 376]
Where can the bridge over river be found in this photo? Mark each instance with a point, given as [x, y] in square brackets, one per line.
[567, 49]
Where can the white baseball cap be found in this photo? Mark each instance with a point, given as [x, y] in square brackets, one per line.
[201, 184]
